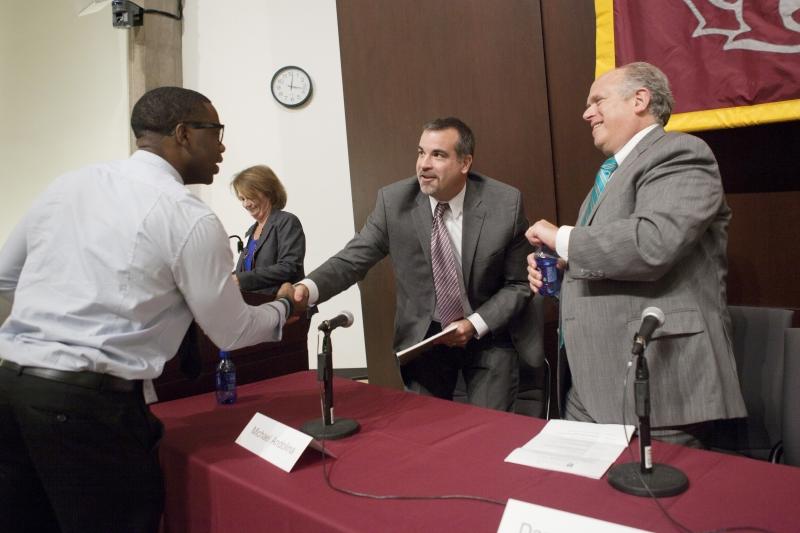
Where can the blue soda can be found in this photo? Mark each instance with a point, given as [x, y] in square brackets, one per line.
[551, 285]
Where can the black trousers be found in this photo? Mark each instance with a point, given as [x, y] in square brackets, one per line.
[490, 366]
[74, 459]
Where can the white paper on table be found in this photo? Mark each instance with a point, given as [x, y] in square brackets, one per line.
[580, 448]
[527, 517]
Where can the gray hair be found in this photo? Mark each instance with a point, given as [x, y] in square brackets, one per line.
[466, 140]
[641, 74]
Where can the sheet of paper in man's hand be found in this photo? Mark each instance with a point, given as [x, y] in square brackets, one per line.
[412, 352]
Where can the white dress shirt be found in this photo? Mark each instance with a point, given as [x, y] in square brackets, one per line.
[108, 267]
[562, 235]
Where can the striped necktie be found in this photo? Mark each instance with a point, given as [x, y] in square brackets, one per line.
[445, 273]
[600, 180]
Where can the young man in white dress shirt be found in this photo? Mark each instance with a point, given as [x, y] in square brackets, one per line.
[105, 273]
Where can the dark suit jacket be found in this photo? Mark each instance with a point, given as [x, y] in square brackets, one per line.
[494, 251]
[278, 257]
[656, 237]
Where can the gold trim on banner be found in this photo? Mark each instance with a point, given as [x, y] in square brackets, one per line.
[733, 117]
[605, 53]
[729, 117]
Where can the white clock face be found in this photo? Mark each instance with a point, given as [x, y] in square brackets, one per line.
[291, 86]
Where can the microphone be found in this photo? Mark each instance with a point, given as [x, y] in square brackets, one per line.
[652, 319]
[344, 319]
[239, 242]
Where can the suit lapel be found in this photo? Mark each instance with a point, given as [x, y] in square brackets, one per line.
[621, 175]
[247, 235]
[423, 223]
[268, 228]
[474, 215]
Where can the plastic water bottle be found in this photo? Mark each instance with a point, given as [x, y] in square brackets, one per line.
[551, 284]
[226, 379]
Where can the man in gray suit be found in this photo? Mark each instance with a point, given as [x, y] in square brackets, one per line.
[653, 232]
[485, 223]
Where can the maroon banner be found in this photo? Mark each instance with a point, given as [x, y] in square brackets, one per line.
[717, 53]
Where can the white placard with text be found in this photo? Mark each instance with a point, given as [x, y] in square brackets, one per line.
[524, 517]
[277, 443]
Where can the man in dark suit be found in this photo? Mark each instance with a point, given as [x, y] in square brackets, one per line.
[485, 224]
[653, 232]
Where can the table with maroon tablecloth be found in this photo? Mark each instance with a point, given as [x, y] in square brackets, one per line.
[415, 445]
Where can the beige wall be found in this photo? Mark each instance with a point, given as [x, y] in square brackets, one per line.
[63, 97]
[230, 51]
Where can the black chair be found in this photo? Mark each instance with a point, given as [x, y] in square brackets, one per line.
[758, 346]
[790, 446]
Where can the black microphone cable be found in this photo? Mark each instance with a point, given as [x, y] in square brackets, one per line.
[327, 476]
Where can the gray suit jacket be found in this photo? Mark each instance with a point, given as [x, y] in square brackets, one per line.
[656, 237]
[494, 249]
[278, 257]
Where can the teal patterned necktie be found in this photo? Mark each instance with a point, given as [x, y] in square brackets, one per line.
[600, 181]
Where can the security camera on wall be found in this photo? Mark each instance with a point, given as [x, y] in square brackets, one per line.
[124, 14]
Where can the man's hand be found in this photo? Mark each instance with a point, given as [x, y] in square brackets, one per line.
[542, 233]
[299, 296]
[534, 275]
[235, 279]
[460, 336]
[289, 291]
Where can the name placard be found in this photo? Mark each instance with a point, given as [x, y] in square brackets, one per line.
[277, 443]
[523, 517]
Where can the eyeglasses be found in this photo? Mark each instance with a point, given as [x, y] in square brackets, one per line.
[207, 126]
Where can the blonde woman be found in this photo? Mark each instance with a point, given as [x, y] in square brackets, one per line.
[276, 244]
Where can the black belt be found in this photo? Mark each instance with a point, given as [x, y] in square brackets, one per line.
[85, 379]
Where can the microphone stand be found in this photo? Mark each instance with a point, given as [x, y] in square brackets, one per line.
[645, 478]
[328, 428]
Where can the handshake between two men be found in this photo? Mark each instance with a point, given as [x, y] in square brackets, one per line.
[299, 294]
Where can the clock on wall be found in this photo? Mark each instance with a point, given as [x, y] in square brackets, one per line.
[291, 86]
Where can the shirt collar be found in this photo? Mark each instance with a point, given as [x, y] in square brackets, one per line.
[149, 158]
[626, 150]
[456, 202]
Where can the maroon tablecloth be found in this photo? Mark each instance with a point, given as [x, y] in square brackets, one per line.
[414, 445]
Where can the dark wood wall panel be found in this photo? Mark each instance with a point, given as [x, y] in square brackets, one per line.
[763, 251]
[758, 159]
[408, 61]
[568, 27]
